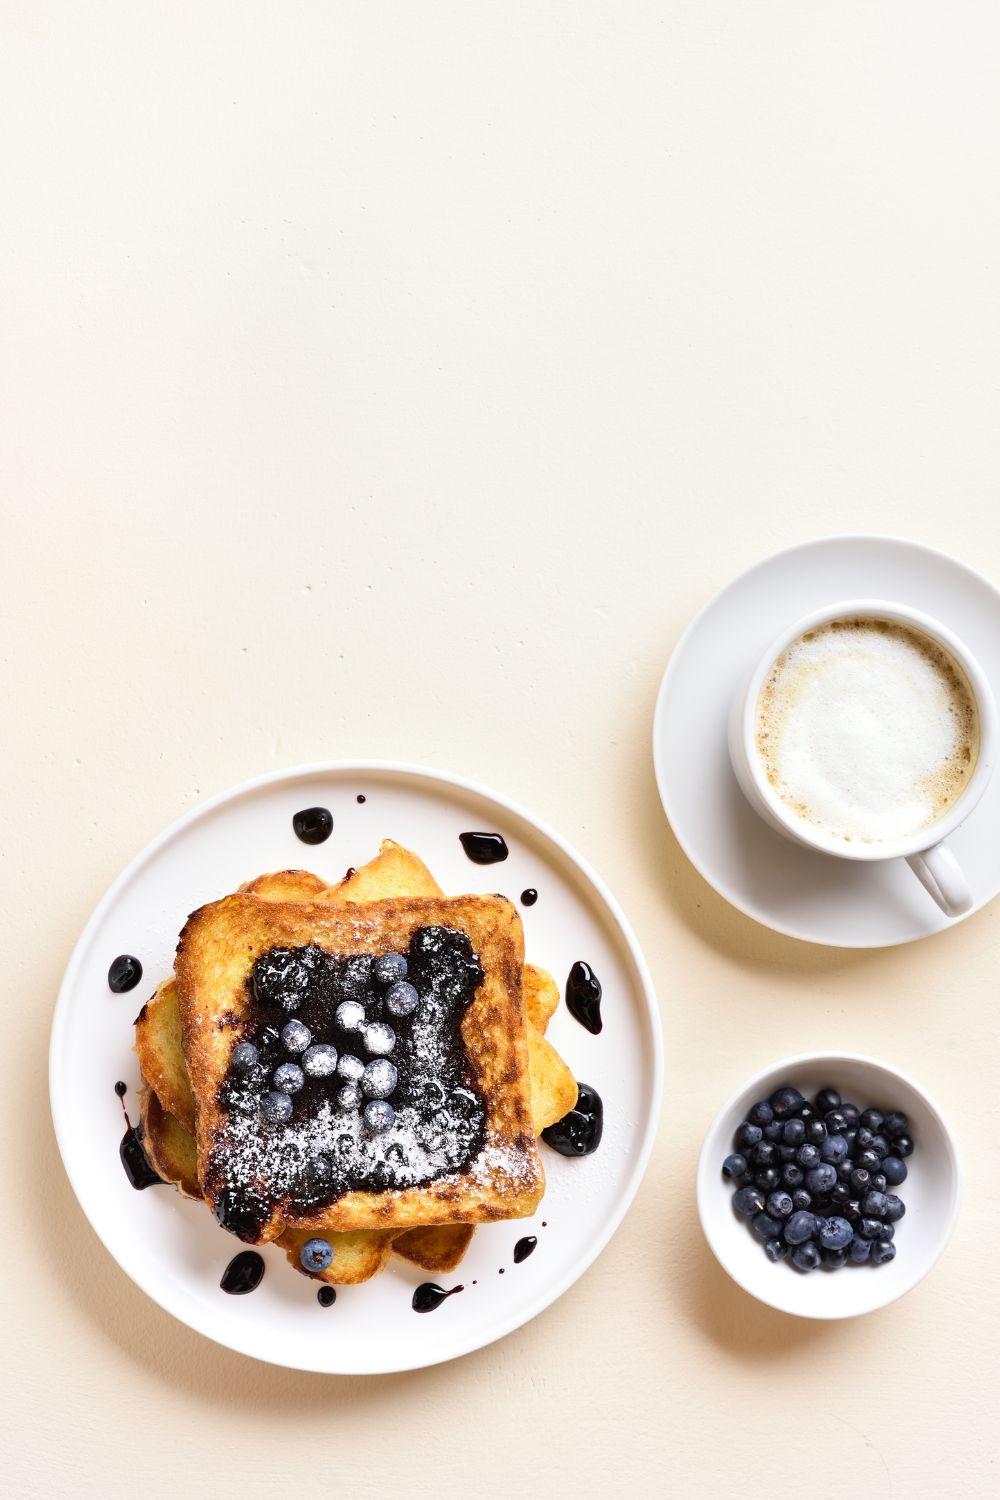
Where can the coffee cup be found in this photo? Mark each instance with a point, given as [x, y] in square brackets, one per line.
[868, 731]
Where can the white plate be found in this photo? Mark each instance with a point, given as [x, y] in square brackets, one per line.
[791, 889]
[173, 1249]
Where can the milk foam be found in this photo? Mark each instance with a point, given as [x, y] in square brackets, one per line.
[867, 730]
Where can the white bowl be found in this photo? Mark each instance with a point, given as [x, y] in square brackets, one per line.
[930, 1192]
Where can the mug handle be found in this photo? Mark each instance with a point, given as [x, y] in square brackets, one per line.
[941, 876]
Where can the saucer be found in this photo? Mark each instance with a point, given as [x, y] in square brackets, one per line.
[791, 889]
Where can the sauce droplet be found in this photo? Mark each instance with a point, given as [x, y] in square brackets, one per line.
[362, 797]
[244, 1273]
[120, 1088]
[529, 896]
[124, 973]
[484, 848]
[313, 825]
[578, 1133]
[524, 1248]
[138, 1168]
[327, 1295]
[429, 1295]
[583, 997]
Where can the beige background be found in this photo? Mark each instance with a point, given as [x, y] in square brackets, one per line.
[396, 380]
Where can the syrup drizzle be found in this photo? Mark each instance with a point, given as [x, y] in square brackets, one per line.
[524, 1248]
[124, 973]
[327, 1295]
[578, 1133]
[429, 1295]
[484, 848]
[137, 1165]
[529, 896]
[313, 825]
[362, 797]
[583, 997]
[244, 1273]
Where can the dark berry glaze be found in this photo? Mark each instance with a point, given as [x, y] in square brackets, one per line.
[583, 997]
[529, 896]
[524, 1248]
[578, 1133]
[429, 1295]
[124, 974]
[484, 848]
[244, 1273]
[313, 825]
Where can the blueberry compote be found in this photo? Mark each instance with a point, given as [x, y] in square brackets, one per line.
[380, 1097]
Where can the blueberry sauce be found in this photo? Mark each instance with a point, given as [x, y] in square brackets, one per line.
[244, 1273]
[429, 1295]
[327, 1295]
[124, 974]
[583, 997]
[138, 1168]
[524, 1248]
[484, 848]
[578, 1133]
[362, 797]
[529, 897]
[313, 825]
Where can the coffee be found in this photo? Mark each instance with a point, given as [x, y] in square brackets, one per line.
[868, 730]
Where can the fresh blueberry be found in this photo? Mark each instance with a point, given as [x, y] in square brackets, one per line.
[861, 1179]
[792, 1176]
[822, 1178]
[805, 1257]
[735, 1165]
[902, 1145]
[799, 1228]
[808, 1156]
[895, 1208]
[879, 1182]
[319, 1060]
[874, 1119]
[350, 1015]
[775, 1249]
[767, 1178]
[244, 1056]
[295, 1036]
[316, 1255]
[316, 1172]
[401, 999]
[764, 1227]
[764, 1154]
[835, 1234]
[816, 1132]
[379, 1039]
[289, 1078]
[779, 1205]
[748, 1201]
[869, 1229]
[826, 1100]
[276, 1108]
[834, 1259]
[851, 1209]
[896, 1124]
[888, 1230]
[806, 1112]
[841, 1194]
[833, 1149]
[762, 1114]
[835, 1122]
[350, 1068]
[859, 1250]
[379, 1079]
[785, 1101]
[894, 1170]
[880, 1145]
[801, 1200]
[349, 1096]
[851, 1114]
[863, 1137]
[389, 968]
[870, 1160]
[882, 1251]
[379, 1116]
[774, 1132]
[786, 1154]
[794, 1132]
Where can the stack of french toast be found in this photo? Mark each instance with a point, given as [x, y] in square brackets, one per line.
[360, 1066]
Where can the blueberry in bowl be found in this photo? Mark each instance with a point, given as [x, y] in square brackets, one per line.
[842, 1249]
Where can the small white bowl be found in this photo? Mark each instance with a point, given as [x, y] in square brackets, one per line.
[930, 1192]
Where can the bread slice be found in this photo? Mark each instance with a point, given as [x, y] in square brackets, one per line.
[475, 1161]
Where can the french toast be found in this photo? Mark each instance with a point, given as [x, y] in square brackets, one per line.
[458, 1143]
[360, 1254]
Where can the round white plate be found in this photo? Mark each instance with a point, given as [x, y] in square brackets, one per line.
[173, 1248]
[796, 890]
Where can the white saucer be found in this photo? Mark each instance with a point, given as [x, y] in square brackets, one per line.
[795, 890]
[173, 1248]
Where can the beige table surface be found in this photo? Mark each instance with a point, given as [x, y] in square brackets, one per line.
[396, 380]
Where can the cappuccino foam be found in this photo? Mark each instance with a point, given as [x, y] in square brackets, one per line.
[867, 729]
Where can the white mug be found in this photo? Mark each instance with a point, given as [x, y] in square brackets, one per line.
[926, 852]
